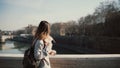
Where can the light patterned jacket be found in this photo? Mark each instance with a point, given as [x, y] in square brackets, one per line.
[41, 52]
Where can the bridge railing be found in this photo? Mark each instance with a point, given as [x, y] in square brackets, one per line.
[67, 61]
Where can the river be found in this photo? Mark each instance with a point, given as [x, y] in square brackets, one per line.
[13, 47]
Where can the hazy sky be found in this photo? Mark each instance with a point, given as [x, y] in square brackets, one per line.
[15, 14]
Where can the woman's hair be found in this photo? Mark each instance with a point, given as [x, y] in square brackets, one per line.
[43, 30]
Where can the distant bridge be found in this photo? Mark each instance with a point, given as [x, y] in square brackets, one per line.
[4, 37]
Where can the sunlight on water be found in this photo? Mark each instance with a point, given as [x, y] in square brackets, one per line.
[11, 47]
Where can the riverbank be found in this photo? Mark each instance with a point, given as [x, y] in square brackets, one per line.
[100, 44]
[23, 39]
[82, 44]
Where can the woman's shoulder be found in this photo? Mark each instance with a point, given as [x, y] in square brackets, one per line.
[49, 39]
[40, 41]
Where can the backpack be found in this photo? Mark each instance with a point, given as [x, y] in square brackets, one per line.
[28, 59]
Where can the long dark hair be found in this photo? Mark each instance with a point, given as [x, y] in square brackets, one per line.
[43, 30]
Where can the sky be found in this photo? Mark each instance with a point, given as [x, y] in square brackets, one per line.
[16, 14]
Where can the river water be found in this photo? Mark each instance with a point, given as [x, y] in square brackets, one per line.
[12, 47]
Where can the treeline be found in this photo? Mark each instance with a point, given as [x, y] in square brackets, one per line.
[26, 30]
[105, 21]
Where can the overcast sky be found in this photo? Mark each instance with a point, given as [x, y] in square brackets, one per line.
[15, 14]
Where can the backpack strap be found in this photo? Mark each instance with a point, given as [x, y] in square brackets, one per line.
[32, 49]
[34, 41]
[44, 44]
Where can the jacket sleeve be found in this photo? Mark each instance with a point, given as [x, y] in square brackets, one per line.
[38, 53]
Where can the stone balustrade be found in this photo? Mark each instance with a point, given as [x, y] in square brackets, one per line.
[67, 61]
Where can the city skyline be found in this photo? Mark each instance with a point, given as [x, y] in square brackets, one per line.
[16, 14]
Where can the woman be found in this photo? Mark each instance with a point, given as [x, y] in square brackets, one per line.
[43, 45]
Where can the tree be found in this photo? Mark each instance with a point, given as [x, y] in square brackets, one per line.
[55, 29]
[18, 32]
[112, 24]
[93, 25]
[29, 29]
[71, 28]
[104, 9]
